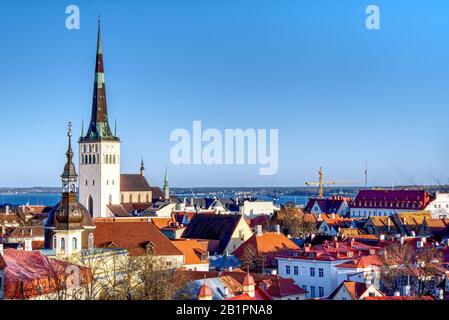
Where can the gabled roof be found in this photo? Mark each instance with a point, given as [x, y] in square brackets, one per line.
[331, 205]
[134, 236]
[268, 244]
[355, 289]
[27, 231]
[213, 226]
[192, 250]
[133, 182]
[438, 227]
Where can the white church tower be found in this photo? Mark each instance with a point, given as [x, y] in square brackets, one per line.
[99, 151]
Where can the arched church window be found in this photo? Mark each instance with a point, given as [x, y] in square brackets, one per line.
[86, 182]
[90, 241]
[62, 244]
[107, 159]
[110, 158]
[93, 182]
[96, 148]
[54, 242]
[113, 159]
[90, 159]
[85, 159]
[130, 198]
[148, 197]
[90, 148]
[74, 243]
[90, 206]
[138, 198]
[122, 199]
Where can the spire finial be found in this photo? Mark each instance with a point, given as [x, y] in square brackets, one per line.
[115, 128]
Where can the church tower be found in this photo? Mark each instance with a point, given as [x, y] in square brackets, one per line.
[166, 188]
[99, 151]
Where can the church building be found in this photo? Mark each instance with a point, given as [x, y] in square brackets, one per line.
[103, 190]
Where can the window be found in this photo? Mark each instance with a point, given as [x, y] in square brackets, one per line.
[93, 182]
[90, 241]
[312, 272]
[122, 199]
[287, 269]
[62, 244]
[304, 287]
[320, 291]
[312, 291]
[295, 270]
[371, 294]
[74, 243]
[54, 242]
[86, 182]
[320, 272]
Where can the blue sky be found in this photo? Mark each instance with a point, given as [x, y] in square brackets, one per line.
[338, 93]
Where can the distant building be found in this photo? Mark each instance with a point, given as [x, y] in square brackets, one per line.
[439, 206]
[386, 202]
[336, 205]
[2, 272]
[195, 253]
[257, 207]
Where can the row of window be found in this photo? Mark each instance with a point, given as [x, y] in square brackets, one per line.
[90, 242]
[139, 198]
[312, 271]
[95, 159]
[313, 291]
[90, 148]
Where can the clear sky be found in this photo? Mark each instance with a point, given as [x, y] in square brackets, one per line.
[338, 93]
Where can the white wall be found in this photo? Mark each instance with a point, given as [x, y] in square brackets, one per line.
[105, 175]
[250, 208]
[329, 281]
[440, 206]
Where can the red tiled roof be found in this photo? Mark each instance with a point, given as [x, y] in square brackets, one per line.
[135, 236]
[331, 205]
[29, 274]
[392, 199]
[332, 251]
[362, 262]
[268, 244]
[133, 182]
[160, 222]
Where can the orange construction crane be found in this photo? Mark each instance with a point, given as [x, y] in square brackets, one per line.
[322, 183]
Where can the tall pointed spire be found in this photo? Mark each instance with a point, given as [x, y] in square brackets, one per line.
[99, 128]
[166, 188]
[142, 168]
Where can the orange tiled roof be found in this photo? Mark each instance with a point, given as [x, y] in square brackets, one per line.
[355, 289]
[267, 242]
[362, 262]
[135, 236]
[161, 222]
[192, 250]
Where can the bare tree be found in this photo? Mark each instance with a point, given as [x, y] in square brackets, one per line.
[252, 259]
[402, 264]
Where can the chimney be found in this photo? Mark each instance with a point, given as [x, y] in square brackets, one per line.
[397, 294]
[333, 215]
[7, 209]
[258, 230]
[312, 236]
[230, 268]
[1, 248]
[278, 229]
[402, 239]
[307, 247]
[413, 234]
[423, 239]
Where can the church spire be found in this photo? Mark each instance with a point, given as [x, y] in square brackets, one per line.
[142, 168]
[166, 188]
[99, 128]
[69, 175]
